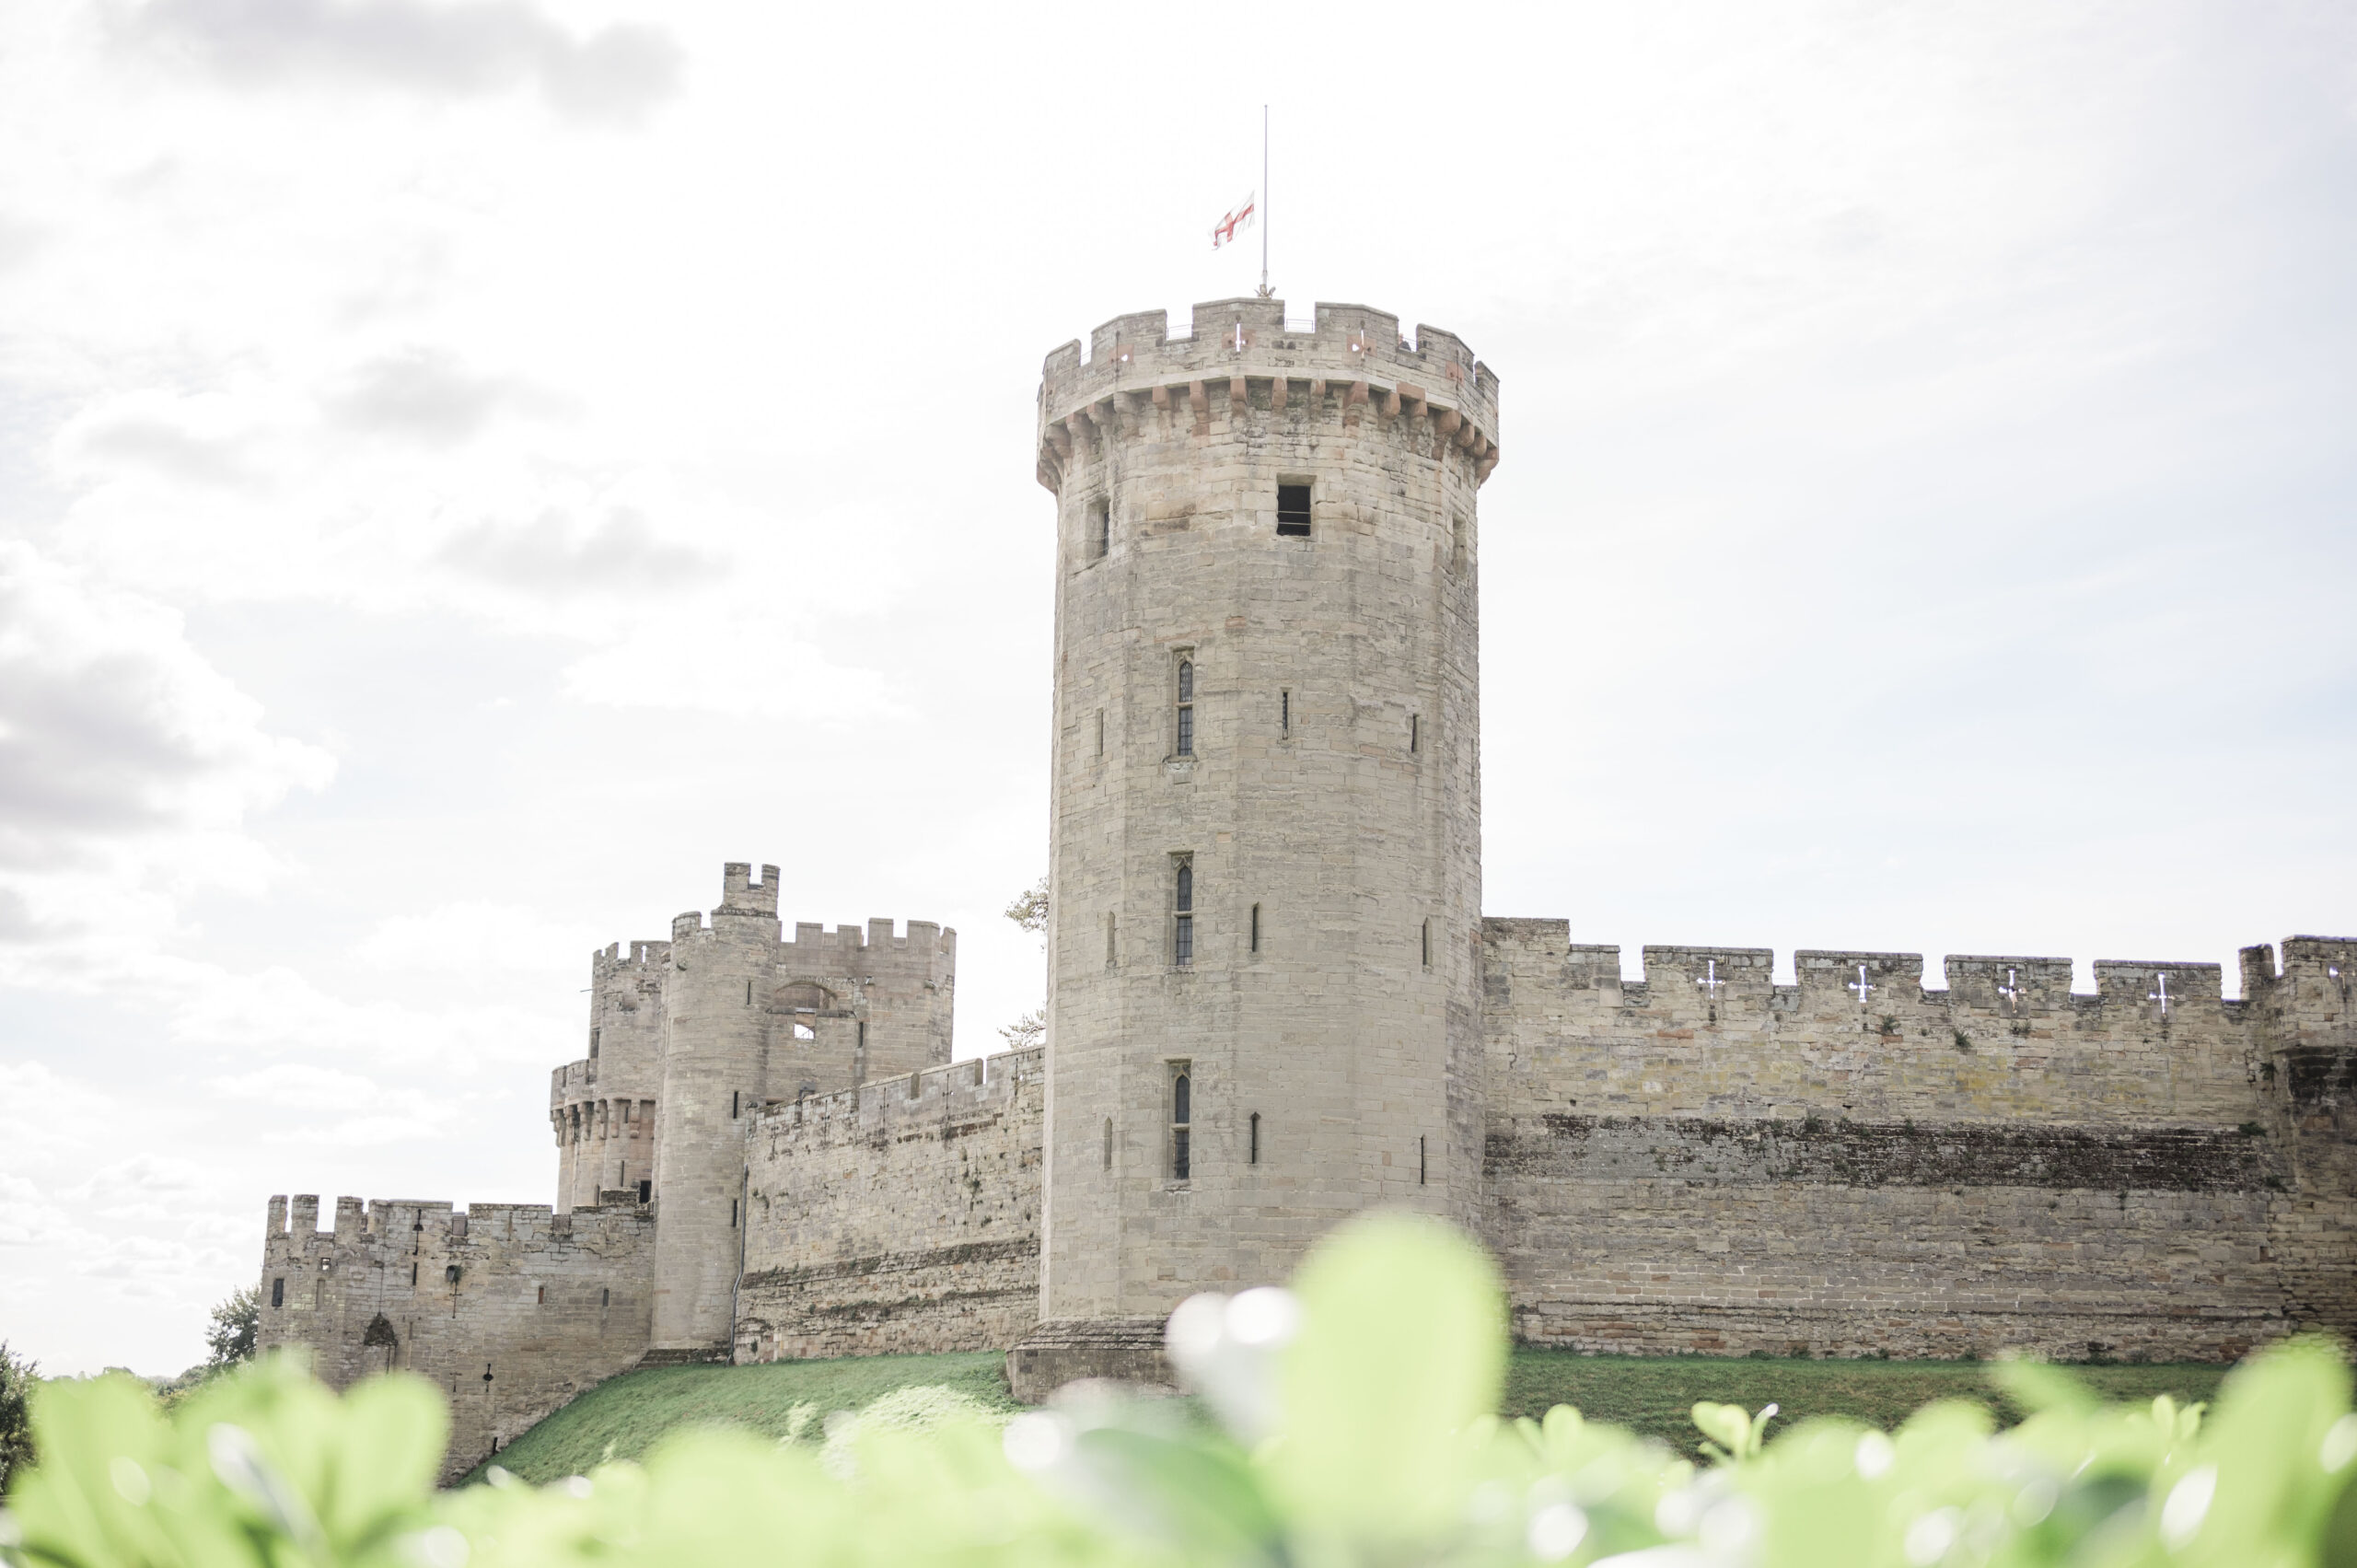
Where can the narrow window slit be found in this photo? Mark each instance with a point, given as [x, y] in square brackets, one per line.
[1181, 1123]
[1186, 707]
[1182, 928]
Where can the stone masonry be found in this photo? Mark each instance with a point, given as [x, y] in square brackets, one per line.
[1273, 1001]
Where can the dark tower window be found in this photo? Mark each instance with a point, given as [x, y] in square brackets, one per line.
[1182, 936]
[1252, 1150]
[593, 1045]
[278, 1292]
[1181, 1116]
[734, 1097]
[1285, 713]
[1415, 732]
[1100, 732]
[1256, 928]
[1420, 1162]
[647, 1191]
[1109, 1143]
[1425, 936]
[1186, 707]
[1292, 510]
[1101, 529]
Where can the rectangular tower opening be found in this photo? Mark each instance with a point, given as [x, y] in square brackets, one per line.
[1292, 509]
[1284, 713]
[1252, 1150]
[1100, 528]
[1255, 939]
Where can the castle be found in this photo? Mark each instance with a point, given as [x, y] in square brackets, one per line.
[1274, 1001]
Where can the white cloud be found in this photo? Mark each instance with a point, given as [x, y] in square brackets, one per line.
[461, 49]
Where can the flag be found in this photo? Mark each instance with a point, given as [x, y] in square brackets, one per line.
[1235, 221]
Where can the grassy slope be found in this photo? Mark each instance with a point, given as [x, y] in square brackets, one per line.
[631, 1411]
[1654, 1395]
[625, 1416]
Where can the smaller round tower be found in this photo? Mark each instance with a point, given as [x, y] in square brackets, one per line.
[714, 1062]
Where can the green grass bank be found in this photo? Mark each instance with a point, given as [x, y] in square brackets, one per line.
[625, 1416]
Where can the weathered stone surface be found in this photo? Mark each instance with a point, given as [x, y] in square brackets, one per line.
[548, 1304]
[900, 1216]
[1701, 1160]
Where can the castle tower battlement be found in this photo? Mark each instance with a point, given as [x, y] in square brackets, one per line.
[1351, 369]
[1265, 815]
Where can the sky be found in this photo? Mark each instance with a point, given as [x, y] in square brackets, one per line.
[468, 468]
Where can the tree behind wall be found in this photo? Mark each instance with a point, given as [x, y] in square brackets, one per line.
[236, 1322]
[17, 1377]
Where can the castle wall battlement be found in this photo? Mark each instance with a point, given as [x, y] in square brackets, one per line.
[900, 1215]
[1708, 1032]
[546, 1303]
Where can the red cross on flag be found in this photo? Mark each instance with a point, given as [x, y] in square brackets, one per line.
[1235, 221]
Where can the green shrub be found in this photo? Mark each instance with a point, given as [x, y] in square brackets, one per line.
[1342, 1423]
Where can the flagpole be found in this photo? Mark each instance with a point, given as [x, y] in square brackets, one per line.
[1264, 200]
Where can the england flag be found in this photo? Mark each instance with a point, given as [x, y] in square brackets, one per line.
[1235, 221]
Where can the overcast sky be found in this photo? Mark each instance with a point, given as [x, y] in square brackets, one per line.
[467, 468]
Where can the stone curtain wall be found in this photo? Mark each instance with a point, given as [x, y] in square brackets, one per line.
[548, 1304]
[1707, 1161]
[900, 1216]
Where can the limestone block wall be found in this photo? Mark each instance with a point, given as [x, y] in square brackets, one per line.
[1708, 1161]
[546, 1303]
[900, 1216]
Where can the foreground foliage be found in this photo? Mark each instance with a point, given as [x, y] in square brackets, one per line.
[1351, 1427]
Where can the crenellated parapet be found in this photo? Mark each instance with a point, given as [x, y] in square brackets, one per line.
[546, 1303]
[898, 1215]
[1351, 370]
[1709, 1030]
[977, 1083]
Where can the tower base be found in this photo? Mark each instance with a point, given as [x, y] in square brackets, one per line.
[1065, 1350]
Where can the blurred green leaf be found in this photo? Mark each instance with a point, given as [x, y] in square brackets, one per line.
[1402, 1345]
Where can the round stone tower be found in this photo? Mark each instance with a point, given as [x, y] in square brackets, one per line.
[714, 1062]
[1266, 839]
